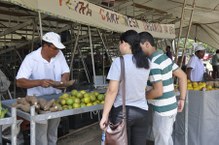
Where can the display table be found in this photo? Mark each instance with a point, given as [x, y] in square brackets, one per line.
[11, 120]
[36, 118]
[200, 119]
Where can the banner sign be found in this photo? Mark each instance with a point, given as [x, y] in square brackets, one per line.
[89, 14]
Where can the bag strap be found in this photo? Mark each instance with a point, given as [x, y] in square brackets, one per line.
[123, 85]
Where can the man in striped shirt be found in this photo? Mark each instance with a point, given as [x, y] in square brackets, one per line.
[161, 93]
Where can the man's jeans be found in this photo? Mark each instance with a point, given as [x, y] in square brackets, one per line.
[46, 132]
[163, 128]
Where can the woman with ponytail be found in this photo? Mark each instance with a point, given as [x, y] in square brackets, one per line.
[136, 76]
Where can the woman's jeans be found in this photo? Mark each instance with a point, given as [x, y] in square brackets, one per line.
[136, 123]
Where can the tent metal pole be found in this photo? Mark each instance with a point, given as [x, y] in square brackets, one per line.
[180, 30]
[34, 29]
[104, 45]
[74, 50]
[187, 35]
[84, 65]
[40, 23]
[92, 54]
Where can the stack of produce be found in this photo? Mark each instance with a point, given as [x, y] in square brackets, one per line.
[2, 111]
[202, 86]
[78, 99]
[40, 104]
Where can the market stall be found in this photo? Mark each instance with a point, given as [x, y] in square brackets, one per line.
[36, 118]
[198, 123]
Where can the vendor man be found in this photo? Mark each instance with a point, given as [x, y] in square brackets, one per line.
[195, 67]
[37, 73]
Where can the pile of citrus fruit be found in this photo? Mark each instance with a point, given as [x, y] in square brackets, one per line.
[78, 99]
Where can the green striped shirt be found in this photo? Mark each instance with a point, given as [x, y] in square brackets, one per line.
[162, 69]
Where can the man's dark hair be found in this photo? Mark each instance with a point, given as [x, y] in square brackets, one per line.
[217, 51]
[147, 37]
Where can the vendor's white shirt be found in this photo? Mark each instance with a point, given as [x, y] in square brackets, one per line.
[198, 69]
[136, 81]
[35, 67]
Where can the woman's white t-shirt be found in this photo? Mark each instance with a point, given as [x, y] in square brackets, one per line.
[136, 81]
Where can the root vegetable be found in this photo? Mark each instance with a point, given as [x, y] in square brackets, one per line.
[22, 101]
[25, 108]
[48, 105]
[32, 100]
[54, 109]
[42, 102]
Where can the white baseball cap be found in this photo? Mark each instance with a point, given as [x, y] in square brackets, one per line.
[199, 47]
[53, 38]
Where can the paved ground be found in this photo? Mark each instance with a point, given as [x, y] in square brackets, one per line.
[89, 135]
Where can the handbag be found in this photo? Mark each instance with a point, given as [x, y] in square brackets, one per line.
[116, 134]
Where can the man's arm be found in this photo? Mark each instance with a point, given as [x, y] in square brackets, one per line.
[182, 87]
[65, 77]
[188, 73]
[156, 91]
[26, 83]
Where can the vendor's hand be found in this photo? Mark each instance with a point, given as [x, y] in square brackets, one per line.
[181, 105]
[103, 123]
[45, 83]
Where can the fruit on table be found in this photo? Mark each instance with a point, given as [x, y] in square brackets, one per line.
[2, 111]
[78, 99]
[200, 86]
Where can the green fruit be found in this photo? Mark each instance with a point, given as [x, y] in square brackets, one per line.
[63, 101]
[100, 97]
[83, 105]
[92, 98]
[82, 92]
[86, 95]
[95, 103]
[77, 100]
[87, 100]
[65, 107]
[74, 92]
[79, 95]
[82, 100]
[89, 104]
[69, 101]
[96, 93]
[76, 105]
[70, 107]
[65, 95]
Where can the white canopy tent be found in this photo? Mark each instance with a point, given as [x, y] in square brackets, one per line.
[205, 25]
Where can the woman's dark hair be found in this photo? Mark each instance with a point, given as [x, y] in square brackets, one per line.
[217, 51]
[133, 39]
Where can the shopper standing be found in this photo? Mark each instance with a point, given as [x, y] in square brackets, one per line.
[168, 52]
[160, 94]
[215, 65]
[37, 73]
[136, 76]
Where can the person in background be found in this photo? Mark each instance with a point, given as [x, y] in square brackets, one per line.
[215, 65]
[168, 52]
[195, 67]
[136, 76]
[160, 90]
[37, 73]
